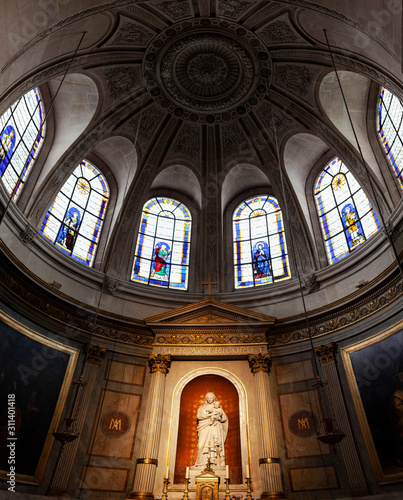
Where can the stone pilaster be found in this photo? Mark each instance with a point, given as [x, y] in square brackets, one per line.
[327, 356]
[147, 461]
[66, 461]
[269, 463]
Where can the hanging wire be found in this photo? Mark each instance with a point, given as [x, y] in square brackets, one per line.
[319, 384]
[95, 320]
[371, 184]
[292, 245]
[46, 115]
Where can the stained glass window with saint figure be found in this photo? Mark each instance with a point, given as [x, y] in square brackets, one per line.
[74, 220]
[21, 136]
[345, 213]
[390, 130]
[260, 250]
[163, 244]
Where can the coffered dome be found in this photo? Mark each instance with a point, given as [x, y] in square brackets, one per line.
[207, 70]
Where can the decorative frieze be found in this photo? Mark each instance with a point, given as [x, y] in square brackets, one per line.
[175, 9]
[132, 34]
[294, 78]
[122, 81]
[188, 142]
[279, 32]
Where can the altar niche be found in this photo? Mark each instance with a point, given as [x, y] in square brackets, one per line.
[193, 396]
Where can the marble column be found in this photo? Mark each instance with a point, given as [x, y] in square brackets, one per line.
[66, 461]
[147, 462]
[327, 355]
[269, 463]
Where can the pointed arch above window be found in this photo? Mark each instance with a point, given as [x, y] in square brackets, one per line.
[74, 220]
[345, 213]
[163, 244]
[21, 136]
[260, 250]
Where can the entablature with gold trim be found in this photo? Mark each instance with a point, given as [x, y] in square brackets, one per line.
[210, 322]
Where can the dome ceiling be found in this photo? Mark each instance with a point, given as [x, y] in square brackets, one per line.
[217, 92]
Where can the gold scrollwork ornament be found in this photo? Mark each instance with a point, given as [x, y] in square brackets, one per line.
[159, 363]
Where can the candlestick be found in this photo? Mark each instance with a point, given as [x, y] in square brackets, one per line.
[186, 492]
[227, 497]
[249, 488]
[165, 488]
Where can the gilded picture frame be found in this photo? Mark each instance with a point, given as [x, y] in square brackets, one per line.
[374, 369]
[39, 371]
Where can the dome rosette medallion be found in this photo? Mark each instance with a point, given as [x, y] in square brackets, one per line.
[207, 70]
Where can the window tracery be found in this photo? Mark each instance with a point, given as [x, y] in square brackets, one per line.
[260, 250]
[74, 220]
[390, 130]
[346, 216]
[21, 136]
[163, 244]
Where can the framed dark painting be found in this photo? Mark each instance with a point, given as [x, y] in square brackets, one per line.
[35, 373]
[375, 373]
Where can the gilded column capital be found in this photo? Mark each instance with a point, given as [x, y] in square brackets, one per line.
[95, 354]
[327, 353]
[260, 363]
[159, 363]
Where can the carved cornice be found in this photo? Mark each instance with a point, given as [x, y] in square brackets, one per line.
[159, 363]
[43, 303]
[33, 297]
[377, 301]
[260, 363]
[210, 338]
[327, 353]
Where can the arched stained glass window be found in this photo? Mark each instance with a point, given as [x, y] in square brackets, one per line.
[390, 130]
[74, 220]
[260, 251]
[21, 136]
[163, 244]
[346, 215]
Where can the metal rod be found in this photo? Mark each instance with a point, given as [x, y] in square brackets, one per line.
[46, 115]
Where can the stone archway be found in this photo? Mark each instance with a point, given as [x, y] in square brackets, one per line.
[222, 383]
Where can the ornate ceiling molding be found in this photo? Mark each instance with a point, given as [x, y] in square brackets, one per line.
[207, 70]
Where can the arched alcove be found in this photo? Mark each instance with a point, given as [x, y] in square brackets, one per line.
[356, 89]
[301, 152]
[187, 398]
[73, 109]
[179, 178]
[241, 178]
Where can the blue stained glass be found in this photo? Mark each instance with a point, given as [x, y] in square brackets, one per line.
[260, 254]
[21, 136]
[74, 220]
[345, 213]
[163, 244]
[390, 125]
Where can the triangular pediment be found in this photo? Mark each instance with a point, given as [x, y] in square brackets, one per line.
[209, 312]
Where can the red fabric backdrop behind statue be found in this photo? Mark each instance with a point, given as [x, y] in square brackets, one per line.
[192, 398]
